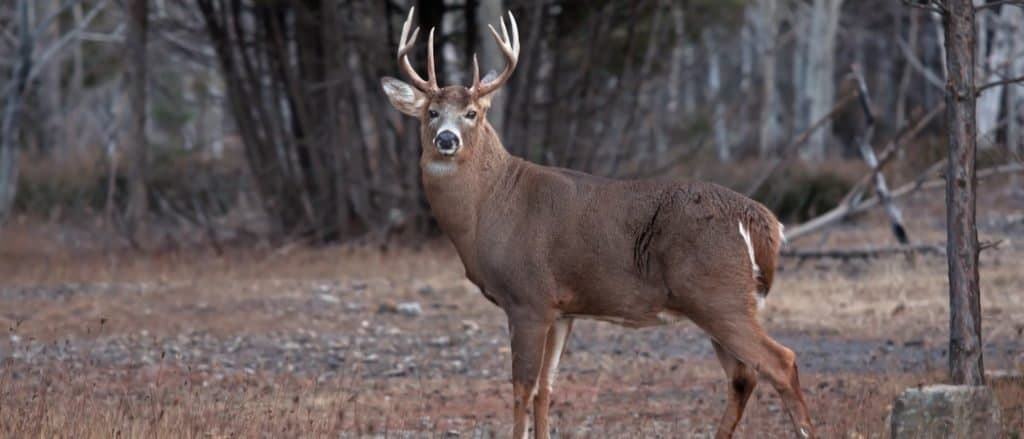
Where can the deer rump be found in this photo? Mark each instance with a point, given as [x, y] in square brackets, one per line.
[635, 253]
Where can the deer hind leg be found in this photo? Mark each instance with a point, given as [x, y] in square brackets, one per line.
[742, 336]
[528, 341]
[553, 349]
[742, 381]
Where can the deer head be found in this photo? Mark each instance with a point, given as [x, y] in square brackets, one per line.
[453, 119]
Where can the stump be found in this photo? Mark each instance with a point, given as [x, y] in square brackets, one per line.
[946, 411]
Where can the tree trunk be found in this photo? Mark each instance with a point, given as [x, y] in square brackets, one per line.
[1014, 19]
[905, 76]
[991, 66]
[490, 57]
[819, 92]
[770, 128]
[714, 85]
[12, 107]
[135, 139]
[965, 346]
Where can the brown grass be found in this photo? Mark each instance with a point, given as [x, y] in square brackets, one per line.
[67, 304]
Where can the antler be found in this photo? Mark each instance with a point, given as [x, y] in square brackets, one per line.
[510, 47]
[405, 44]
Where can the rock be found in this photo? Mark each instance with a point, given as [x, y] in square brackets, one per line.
[424, 289]
[411, 309]
[470, 326]
[441, 341]
[946, 411]
[329, 298]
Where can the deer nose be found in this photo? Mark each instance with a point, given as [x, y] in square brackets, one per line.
[447, 141]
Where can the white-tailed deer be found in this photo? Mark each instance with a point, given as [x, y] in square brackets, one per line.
[549, 245]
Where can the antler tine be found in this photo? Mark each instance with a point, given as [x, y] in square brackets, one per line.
[405, 44]
[476, 72]
[431, 74]
[510, 47]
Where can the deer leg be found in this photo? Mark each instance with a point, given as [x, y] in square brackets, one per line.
[528, 340]
[553, 349]
[742, 335]
[742, 381]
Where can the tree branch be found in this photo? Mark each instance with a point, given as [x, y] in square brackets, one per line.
[790, 150]
[923, 181]
[1006, 81]
[999, 3]
[930, 76]
[875, 252]
[925, 4]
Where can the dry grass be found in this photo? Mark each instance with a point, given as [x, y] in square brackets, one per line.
[110, 343]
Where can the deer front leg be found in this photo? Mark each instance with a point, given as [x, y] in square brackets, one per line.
[553, 348]
[528, 340]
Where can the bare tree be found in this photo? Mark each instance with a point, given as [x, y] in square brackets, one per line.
[770, 130]
[965, 345]
[12, 104]
[135, 137]
[490, 56]
[1014, 68]
[993, 57]
[714, 77]
[816, 97]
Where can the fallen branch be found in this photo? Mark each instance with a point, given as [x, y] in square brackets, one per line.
[877, 252]
[889, 152]
[866, 253]
[881, 188]
[923, 181]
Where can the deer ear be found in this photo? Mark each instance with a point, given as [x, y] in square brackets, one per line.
[404, 97]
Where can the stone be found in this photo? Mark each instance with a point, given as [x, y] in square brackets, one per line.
[411, 309]
[946, 411]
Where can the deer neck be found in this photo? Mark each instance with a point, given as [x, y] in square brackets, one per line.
[458, 188]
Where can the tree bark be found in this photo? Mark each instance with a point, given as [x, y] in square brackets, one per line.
[904, 86]
[12, 107]
[490, 57]
[965, 347]
[714, 84]
[135, 139]
[1014, 98]
[992, 59]
[819, 91]
[770, 128]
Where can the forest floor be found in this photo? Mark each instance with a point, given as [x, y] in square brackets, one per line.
[326, 342]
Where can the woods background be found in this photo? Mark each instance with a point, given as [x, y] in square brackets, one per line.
[175, 121]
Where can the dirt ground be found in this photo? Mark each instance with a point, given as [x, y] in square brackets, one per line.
[351, 342]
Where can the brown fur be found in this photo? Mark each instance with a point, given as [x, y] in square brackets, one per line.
[548, 244]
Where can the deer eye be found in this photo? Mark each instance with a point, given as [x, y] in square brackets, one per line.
[433, 114]
[471, 115]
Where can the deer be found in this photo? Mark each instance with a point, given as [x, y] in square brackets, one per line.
[550, 245]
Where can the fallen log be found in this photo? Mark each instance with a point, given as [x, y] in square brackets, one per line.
[876, 252]
[865, 253]
[845, 210]
[868, 154]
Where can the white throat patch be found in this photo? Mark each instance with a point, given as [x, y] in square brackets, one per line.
[440, 168]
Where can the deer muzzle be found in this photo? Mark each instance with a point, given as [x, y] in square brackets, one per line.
[447, 142]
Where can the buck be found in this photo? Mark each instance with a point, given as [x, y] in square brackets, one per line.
[550, 245]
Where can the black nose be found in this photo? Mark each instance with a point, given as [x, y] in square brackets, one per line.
[446, 140]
